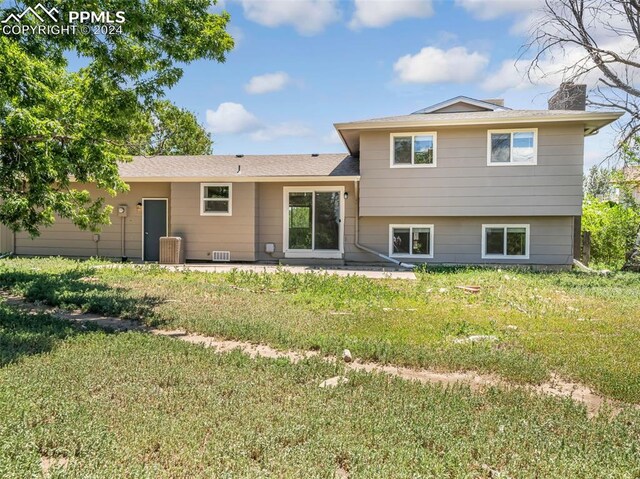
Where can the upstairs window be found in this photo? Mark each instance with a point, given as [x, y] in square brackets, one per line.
[512, 147]
[505, 241]
[215, 199]
[413, 149]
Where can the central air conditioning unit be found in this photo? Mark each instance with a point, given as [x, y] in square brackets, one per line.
[221, 256]
[171, 250]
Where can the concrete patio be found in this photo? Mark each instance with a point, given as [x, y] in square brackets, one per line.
[368, 271]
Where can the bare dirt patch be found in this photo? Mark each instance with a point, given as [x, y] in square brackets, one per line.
[48, 463]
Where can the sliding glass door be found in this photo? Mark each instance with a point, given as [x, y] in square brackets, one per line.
[313, 222]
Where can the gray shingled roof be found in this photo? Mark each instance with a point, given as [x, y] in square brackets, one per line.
[436, 117]
[218, 166]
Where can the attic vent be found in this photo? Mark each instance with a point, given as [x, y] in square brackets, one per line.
[239, 156]
[221, 256]
[315, 154]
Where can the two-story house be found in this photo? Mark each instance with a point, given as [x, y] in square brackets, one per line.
[464, 181]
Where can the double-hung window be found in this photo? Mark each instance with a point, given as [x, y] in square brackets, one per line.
[512, 147]
[413, 149]
[215, 199]
[411, 240]
[505, 241]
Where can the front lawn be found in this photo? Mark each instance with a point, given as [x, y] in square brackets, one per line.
[88, 404]
[585, 327]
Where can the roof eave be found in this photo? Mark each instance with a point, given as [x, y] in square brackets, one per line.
[236, 179]
[593, 123]
[368, 125]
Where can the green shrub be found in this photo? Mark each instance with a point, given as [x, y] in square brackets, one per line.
[613, 230]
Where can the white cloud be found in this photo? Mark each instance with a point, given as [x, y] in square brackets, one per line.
[380, 13]
[526, 24]
[528, 13]
[491, 9]
[231, 118]
[280, 130]
[557, 66]
[433, 65]
[267, 83]
[511, 74]
[308, 17]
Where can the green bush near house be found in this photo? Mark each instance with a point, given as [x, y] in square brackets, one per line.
[614, 228]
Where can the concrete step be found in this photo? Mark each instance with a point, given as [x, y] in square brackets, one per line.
[311, 262]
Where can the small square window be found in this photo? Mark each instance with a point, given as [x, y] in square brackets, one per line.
[505, 241]
[215, 199]
[413, 149]
[512, 147]
[411, 240]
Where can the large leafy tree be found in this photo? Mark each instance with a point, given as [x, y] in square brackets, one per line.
[59, 126]
[172, 131]
[598, 183]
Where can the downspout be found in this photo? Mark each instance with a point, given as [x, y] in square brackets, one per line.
[122, 237]
[356, 185]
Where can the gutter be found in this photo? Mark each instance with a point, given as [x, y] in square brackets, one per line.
[436, 122]
[238, 179]
[356, 185]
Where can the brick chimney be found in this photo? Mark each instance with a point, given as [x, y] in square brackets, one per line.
[569, 97]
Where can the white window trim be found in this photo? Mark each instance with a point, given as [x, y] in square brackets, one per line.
[411, 226]
[311, 253]
[202, 199]
[505, 256]
[513, 130]
[392, 136]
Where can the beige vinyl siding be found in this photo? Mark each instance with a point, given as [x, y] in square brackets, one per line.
[464, 185]
[65, 239]
[269, 215]
[203, 234]
[6, 239]
[458, 240]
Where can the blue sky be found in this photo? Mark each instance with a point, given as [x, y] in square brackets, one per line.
[301, 65]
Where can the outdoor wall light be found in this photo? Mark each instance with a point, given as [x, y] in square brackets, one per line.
[139, 206]
[346, 195]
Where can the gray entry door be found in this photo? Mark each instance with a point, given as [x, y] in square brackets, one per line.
[154, 214]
